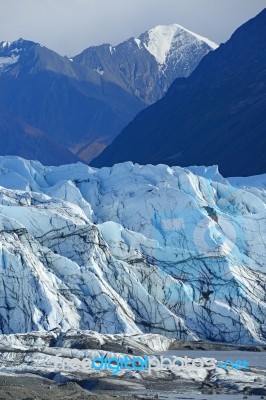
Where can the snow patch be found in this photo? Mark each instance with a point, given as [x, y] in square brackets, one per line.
[5, 62]
[5, 44]
[99, 70]
[138, 42]
[112, 49]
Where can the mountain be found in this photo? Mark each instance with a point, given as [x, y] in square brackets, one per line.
[215, 116]
[18, 137]
[70, 102]
[147, 65]
[132, 249]
[83, 103]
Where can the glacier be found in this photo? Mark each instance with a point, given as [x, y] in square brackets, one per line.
[132, 249]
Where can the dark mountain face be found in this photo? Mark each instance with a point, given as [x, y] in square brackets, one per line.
[69, 102]
[17, 137]
[215, 116]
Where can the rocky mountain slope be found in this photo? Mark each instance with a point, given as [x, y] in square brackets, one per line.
[18, 137]
[132, 249]
[147, 65]
[215, 116]
[83, 103]
[69, 102]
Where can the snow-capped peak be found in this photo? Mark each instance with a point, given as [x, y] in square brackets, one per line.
[17, 45]
[5, 44]
[163, 37]
[10, 52]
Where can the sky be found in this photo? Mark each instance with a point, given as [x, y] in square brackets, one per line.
[70, 26]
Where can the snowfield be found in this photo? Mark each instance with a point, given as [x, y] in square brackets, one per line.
[132, 249]
[164, 37]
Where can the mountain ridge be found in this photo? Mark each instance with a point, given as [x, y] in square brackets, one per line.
[83, 106]
[133, 61]
[68, 101]
[214, 116]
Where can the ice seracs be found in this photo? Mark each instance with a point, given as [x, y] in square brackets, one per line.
[132, 249]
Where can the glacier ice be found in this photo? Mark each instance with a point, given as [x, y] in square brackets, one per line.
[132, 249]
